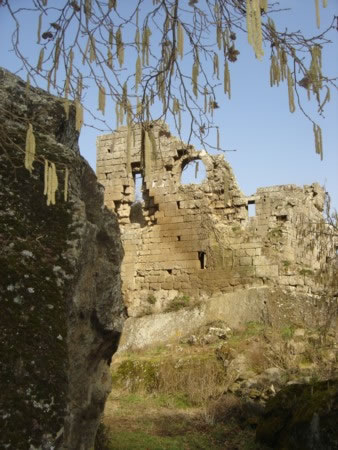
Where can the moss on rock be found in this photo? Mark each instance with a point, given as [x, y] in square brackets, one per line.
[302, 416]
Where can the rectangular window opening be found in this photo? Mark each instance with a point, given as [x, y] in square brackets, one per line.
[138, 187]
[282, 218]
[251, 208]
[203, 259]
[178, 238]
[178, 204]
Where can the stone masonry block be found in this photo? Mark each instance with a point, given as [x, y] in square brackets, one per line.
[245, 261]
[267, 271]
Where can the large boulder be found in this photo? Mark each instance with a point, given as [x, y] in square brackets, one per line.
[60, 290]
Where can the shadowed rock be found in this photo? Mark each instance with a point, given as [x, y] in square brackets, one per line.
[61, 306]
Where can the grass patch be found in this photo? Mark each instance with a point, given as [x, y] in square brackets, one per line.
[287, 332]
[146, 422]
[254, 329]
[140, 440]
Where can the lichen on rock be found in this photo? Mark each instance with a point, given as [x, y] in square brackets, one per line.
[60, 293]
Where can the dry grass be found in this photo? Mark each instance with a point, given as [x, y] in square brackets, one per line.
[198, 379]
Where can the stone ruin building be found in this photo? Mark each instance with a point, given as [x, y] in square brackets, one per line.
[198, 239]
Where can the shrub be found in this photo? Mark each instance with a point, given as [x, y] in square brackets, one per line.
[178, 303]
[151, 299]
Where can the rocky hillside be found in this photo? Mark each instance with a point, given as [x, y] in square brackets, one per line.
[61, 306]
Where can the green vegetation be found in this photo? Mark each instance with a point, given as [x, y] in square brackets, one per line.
[287, 332]
[305, 271]
[182, 396]
[151, 299]
[177, 303]
[159, 422]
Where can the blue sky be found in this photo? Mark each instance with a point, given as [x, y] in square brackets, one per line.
[273, 146]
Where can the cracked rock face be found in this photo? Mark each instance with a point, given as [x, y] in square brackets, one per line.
[60, 290]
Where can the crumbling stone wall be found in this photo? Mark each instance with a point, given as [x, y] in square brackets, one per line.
[199, 239]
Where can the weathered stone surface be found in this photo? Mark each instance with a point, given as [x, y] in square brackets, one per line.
[234, 308]
[61, 306]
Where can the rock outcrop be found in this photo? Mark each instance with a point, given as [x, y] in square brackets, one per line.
[302, 416]
[61, 306]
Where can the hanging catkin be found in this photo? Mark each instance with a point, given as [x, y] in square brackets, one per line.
[180, 39]
[40, 61]
[145, 45]
[290, 92]
[196, 169]
[227, 81]
[324, 3]
[317, 13]
[79, 86]
[254, 26]
[39, 28]
[217, 145]
[111, 37]
[264, 5]
[219, 35]
[139, 107]
[57, 54]
[46, 177]
[111, 4]
[78, 115]
[92, 50]
[194, 77]
[70, 59]
[216, 65]
[275, 74]
[102, 99]
[137, 40]
[49, 77]
[66, 88]
[315, 72]
[29, 148]
[109, 59]
[326, 98]
[88, 8]
[120, 47]
[65, 189]
[318, 140]
[153, 144]
[177, 110]
[138, 72]
[84, 56]
[52, 184]
[283, 63]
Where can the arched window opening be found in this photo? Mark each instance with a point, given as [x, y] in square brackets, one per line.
[193, 172]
